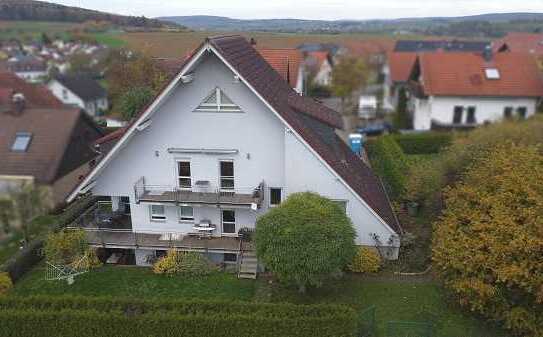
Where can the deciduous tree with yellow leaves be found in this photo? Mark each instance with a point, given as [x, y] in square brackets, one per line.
[488, 244]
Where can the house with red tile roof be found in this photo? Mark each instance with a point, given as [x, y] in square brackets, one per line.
[531, 43]
[288, 62]
[224, 142]
[463, 90]
[396, 73]
[319, 65]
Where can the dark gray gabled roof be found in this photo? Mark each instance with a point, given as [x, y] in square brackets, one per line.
[83, 86]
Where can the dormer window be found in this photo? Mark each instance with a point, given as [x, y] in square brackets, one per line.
[492, 74]
[21, 142]
[218, 101]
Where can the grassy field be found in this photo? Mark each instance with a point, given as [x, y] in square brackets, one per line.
[417, 300]
[33, 29]
[110, 40]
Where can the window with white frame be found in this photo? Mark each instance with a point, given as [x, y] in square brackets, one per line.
[275, 196]
[186, 213]
[218, 101]
[228, 221]
[158, 212]
[183, 172]
[226, 168]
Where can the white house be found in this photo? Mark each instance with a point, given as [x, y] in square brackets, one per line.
[226, 140]
[81, 91]
[463, 90]
[320, 66]
[27, 67]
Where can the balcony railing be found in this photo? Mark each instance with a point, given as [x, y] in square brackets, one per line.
[101, 215]
[199, 194]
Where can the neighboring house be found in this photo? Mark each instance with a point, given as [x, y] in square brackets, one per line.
[400, 62]
[28, 67]
[36, 95]
[531, 43]
[288, 62]
[81, 91]
[48, 146]
[225, 141]
[459, 90]
[320, 66]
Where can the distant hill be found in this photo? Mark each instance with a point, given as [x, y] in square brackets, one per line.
[478, 25]
[30, 10]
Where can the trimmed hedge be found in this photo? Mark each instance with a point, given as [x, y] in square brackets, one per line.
[85, 316]
[423, 143]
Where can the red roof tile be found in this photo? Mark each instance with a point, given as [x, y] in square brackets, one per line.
[463, 74]
[401, 65]
[522, 43]
[35, 95]
[286, 62]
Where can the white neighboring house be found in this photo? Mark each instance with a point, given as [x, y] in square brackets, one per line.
[464, 90]
[224, 142]
[320, 66]
[81, 91]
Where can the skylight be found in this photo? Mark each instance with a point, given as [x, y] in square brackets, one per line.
[492, 74]
[22, 141]
[217, 101]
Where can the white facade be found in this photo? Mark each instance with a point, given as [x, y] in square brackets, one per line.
[261, 146]
[441, 109]
[32, 76]
[324, 75]
[68, 97]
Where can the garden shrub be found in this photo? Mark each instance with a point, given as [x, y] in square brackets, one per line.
[390, 163]
[487, 245]
[366, 260]
[423, 143]
[89, 316]
[187, 263]
[65, 247]
[305, 239]
[5, 283]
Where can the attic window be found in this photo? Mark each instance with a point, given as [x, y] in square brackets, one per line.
[492, 74]
[218, 101]
[22, 141]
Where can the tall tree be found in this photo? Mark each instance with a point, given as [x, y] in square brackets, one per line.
[349, 75]
[28, 201]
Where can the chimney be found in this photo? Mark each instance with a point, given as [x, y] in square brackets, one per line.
[487, 53]
[253, 42]
[18, 103]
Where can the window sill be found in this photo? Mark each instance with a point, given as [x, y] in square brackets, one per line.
[191, 222]
[159, 220]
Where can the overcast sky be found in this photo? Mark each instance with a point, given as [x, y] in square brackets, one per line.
[308, 9]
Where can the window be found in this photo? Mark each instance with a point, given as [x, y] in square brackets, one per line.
[227, 174]
[457, 117]
[228, 222]
[342, 204]
[521, 112]
[471, 115]
[186, 213]
[160, 253]
[230, 257]
[218, 101]
[157, 213]
[508, 112]
[275, 196]
[21, 142]
[492, 74]
[183, 168]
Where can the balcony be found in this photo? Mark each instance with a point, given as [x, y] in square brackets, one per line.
[200, 193]
[101, 215]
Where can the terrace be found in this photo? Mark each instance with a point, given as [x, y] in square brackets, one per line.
[202, 192]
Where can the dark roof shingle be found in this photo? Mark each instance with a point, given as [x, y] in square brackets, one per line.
[83, 86]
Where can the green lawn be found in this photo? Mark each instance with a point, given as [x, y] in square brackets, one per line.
[393, 299]
[110, 40]
[139, 283]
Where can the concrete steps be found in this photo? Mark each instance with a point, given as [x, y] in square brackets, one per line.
[248, 265]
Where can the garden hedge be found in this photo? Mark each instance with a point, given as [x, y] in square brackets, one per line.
[423, 143]
[85, 316]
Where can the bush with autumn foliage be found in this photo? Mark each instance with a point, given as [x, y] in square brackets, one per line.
[488, 244]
